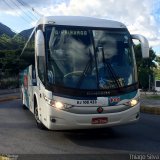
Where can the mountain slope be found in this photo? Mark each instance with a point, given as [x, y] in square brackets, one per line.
[6, 30]
[26, 33]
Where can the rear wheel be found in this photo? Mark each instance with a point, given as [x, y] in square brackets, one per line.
[40, 125]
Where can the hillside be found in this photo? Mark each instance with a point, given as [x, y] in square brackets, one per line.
[6, 30]
[26, 33]
[12, 41]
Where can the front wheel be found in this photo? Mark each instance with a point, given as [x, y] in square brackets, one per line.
[40, 125]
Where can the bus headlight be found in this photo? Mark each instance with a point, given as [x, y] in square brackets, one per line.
[59, 105]
[132, 102]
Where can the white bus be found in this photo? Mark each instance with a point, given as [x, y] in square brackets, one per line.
[81, 73]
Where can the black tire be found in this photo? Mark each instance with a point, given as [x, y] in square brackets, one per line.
[40, 125]
[24, 107]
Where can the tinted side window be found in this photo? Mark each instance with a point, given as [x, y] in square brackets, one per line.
[41, 68]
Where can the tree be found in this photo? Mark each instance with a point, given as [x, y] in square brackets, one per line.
[9, 62]
[158, 60]
[145, 67]
[157, 73]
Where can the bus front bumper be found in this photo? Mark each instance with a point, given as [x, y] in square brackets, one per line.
[62, 120]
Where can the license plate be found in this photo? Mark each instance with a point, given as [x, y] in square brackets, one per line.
[99, 120]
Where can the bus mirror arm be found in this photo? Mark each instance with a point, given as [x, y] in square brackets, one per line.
[144, 44]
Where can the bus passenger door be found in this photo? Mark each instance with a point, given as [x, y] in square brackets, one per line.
[42, 103]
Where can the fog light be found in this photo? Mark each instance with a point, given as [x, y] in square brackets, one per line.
[53, 120]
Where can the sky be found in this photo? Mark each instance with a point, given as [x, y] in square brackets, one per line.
[140, 16]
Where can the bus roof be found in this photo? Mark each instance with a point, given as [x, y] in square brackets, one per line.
[80, 21]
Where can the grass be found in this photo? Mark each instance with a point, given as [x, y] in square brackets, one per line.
[155, 97]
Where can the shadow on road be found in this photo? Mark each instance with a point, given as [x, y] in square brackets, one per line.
[92, 134]
[127, 138]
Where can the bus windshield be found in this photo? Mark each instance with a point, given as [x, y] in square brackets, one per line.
[89, 58]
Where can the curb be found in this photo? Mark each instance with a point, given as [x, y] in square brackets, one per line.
[9, 91]
[151, 110]
[10, 98]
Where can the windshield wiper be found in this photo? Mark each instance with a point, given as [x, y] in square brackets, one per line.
[110, 70]
[86, 69]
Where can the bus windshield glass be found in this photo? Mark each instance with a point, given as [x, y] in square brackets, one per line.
[89, 58]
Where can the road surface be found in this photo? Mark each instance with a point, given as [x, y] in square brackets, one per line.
[19, 135]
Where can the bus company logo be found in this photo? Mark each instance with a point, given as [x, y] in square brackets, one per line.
[25, 82]
[99, 109]
[114, 99]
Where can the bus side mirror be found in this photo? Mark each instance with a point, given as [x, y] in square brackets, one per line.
[144, 44]
[39, 43]
[40, 54]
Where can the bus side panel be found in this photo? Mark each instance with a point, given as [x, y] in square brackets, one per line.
[30, 89]
[26, 87]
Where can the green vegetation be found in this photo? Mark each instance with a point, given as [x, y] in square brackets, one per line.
[157, 70]
[9, 82]
[10, 64]
[156, 97]
[8, 43]
[147, 68]
[153, 96]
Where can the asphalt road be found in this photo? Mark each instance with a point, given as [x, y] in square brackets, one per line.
[19, 135]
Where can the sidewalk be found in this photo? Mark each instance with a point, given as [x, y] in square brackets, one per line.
[148, 105]
[9, 91]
